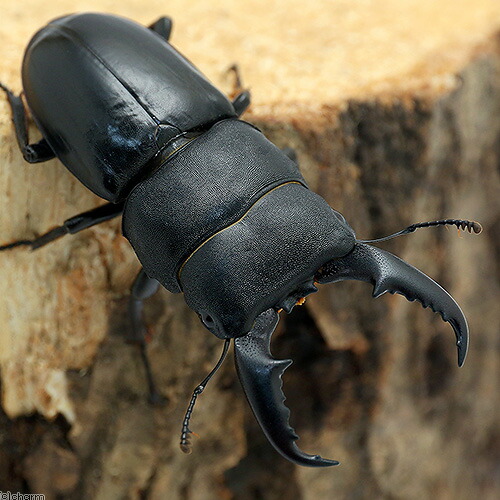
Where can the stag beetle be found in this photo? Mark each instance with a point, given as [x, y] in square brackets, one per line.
[210, 206]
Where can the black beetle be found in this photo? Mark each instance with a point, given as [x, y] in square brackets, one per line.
[210, 206]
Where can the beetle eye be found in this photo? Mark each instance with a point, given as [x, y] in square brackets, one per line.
[207, 320]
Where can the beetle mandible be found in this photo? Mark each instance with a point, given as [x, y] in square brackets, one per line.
[210, 206]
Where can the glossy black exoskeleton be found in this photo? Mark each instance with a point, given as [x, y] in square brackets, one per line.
[210, 206]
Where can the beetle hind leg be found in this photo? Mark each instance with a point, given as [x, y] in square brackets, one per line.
[143, 288]
[33, 153]
[163, 27]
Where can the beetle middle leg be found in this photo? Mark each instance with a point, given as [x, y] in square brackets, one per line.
[143, 288]
[71, 226]
[33, 153]
[241, 102]
[291, 153]
[242, 97]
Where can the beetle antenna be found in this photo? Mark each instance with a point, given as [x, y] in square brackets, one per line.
[185, 443]
[471, 226]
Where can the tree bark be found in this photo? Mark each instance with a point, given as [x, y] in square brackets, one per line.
[374, 384]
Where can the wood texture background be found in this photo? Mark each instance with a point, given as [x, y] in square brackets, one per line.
[394, 110]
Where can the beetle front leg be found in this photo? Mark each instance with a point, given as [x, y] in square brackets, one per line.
[163, 27]
[72, 225]
[143, 288]
[33, 153]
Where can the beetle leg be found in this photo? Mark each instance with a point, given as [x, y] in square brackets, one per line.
[242, 97]
[33, 153]
[290, 153]
[71, 226]
[163, 27]
[241, 102]
[143, 288]
[260, 375]
[389, 273]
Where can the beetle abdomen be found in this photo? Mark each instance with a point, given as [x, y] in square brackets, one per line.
[108, 94]
[205, 187]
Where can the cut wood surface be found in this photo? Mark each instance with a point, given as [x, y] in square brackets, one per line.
[394, 110]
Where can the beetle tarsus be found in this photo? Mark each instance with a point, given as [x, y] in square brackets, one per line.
[241, 96]
[15, 244]
[38, 242]
[33, 153]
[143, 288]
[238, 81]
[154, 397]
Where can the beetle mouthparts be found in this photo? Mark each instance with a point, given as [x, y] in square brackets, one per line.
[389, 273]
[260, 375]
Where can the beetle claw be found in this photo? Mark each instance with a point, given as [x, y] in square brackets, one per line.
[389, 273]
[260, 375]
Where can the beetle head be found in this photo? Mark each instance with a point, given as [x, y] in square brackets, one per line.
[240, 279]
[260, 374]
[266, 259]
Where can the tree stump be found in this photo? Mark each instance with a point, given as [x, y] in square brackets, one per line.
[394, 111]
